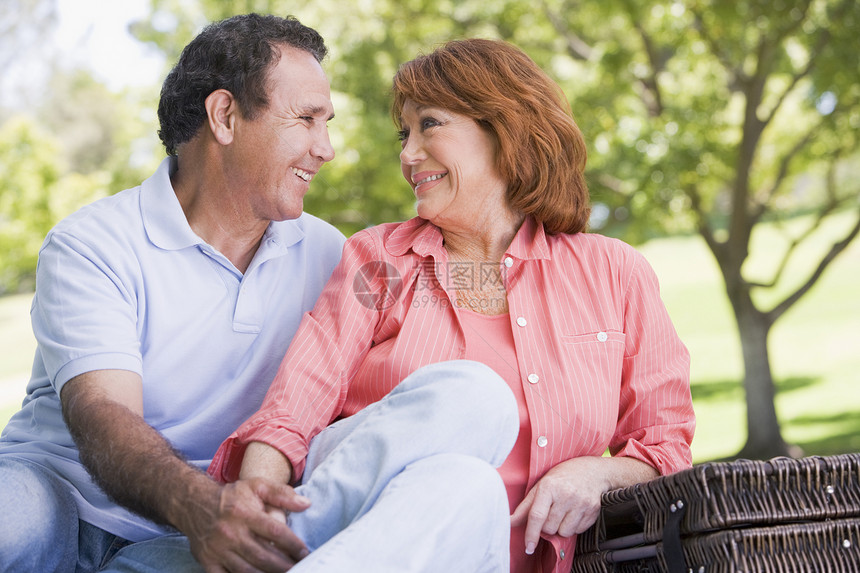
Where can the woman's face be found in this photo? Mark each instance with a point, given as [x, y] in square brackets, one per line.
[450, 163]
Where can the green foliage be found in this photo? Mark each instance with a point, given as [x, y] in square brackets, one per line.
[171, 25]
[81, 145]
[34, 194]
[659, 89]
[77, 142]
[83, 115]
[700, 115]
[28, 178]
[710, 116]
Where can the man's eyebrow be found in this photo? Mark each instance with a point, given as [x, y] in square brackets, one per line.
[317, 110]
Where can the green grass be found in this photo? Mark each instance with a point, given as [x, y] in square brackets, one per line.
[16, 352]
[815, 347]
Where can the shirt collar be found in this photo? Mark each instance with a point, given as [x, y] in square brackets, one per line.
[418, 235]
[425, 239]
[167, 227]
[163, 217]
[284, 234]
[530, 241]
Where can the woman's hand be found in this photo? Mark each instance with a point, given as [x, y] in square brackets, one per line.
[566, 500]
[246, 529]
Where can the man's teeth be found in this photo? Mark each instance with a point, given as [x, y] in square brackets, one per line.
[431, 178]
[302, 173]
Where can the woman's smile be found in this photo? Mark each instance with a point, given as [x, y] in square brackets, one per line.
[426, 179]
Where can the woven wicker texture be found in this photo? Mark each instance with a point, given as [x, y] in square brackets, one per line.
[742, 493]
[831, 546]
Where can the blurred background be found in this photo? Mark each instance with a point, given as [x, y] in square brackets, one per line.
[723, 143]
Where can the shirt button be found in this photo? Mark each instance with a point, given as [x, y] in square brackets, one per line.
[542, 442]
[533, 378]
[522, 321]
[602, 336]
[509, 262]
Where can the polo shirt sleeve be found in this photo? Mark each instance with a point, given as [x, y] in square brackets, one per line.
[84, 316]
[311, 384]
[656, 419]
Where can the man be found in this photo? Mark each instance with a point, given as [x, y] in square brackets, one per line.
[162, 314]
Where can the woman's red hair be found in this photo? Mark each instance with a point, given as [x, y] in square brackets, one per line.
[541, 149]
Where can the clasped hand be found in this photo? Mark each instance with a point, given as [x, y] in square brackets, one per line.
[248, 532]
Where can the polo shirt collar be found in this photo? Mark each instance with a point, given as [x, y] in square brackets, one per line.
[163, 217]
[284, 234]
[167, 227]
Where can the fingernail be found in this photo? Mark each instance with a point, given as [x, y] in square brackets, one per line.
[303, 499]
[530, 548]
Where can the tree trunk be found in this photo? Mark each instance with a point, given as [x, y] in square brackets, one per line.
[764, 436]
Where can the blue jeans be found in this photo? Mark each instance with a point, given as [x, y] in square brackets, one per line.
[409, 484]
[39, 525]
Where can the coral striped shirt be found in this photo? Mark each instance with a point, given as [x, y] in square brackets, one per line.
[600, 363]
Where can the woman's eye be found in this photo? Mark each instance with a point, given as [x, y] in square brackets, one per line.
[403, 135]
[428, 122]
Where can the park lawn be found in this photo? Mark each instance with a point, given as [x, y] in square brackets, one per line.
[815, 347]
[17, 346]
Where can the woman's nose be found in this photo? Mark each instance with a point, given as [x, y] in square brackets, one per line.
[411, 152]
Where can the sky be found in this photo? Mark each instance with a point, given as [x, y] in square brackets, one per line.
[92, 34]
[95, 33]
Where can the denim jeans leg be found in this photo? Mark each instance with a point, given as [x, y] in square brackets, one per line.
[96, 547]
[169, 553]
[407, 484]
[447, 512]
[433, 411]
[38, 519]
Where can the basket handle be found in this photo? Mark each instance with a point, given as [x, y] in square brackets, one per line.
[673, 551]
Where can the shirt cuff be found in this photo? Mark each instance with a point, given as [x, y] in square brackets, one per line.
[227, 461]
[92, 362]
[666, 458]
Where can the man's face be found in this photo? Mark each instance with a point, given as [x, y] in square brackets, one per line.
[274, 156]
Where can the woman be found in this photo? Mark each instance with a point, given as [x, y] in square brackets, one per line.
[496, 268]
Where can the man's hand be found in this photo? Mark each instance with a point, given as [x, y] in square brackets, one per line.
[230, 528]
[247, 530]
[566, 500]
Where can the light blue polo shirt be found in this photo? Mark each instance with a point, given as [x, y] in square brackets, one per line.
[124, 283]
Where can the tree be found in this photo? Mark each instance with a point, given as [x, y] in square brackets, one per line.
[742, 112]
[705, 115]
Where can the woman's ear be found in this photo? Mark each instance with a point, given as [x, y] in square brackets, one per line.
[221, 110]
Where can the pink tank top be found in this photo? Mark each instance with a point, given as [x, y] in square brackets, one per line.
[490, 340]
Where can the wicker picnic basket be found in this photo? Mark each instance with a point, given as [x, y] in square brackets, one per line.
[777, 515]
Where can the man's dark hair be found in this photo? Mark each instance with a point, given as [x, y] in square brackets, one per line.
[235, 54]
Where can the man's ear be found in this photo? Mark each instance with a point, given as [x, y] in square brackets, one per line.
[221, 110]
